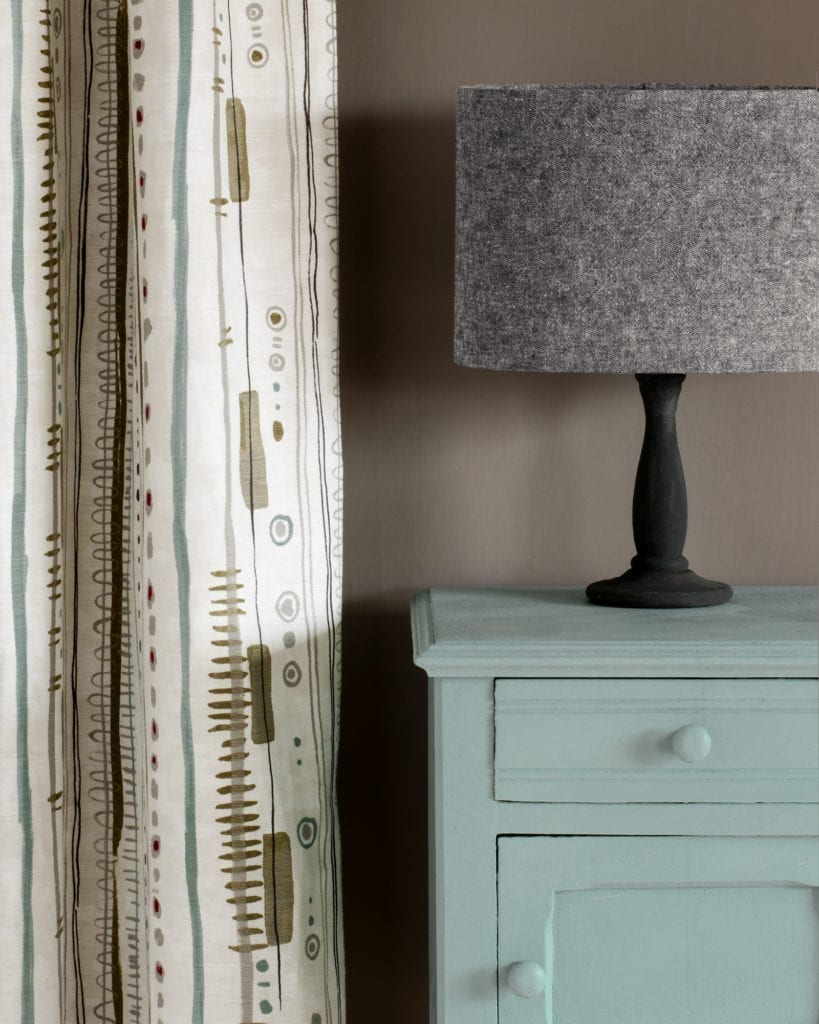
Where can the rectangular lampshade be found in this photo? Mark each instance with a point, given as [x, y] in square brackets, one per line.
[637, 229]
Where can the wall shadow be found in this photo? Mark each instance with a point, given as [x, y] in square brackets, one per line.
[382, 798]
[396, 322]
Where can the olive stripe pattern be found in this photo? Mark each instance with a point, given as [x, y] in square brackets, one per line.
[171, 521]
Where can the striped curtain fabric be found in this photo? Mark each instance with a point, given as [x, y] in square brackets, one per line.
[170, 517]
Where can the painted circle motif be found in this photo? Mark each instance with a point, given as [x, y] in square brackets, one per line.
[287, 605]
[281, 530]
[289, 640]
[254, 12]
[257, 55]
[306, 831]
[57, 22]
[291, 673]
[312, 946]
[276, 320]
[276, 361]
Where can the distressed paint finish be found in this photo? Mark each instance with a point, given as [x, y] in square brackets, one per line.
[763, 631]
[501, 675]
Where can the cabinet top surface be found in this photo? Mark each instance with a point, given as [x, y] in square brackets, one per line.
[763, 631]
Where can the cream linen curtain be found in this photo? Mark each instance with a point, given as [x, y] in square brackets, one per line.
[170, 513]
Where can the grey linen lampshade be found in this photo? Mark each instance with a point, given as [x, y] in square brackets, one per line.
[637, 229]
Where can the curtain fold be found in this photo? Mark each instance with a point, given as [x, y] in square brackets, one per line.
[171, 515]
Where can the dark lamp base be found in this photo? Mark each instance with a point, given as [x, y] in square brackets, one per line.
[659, 576]
[651, 588]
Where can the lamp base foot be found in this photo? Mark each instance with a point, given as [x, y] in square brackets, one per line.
[652, 588]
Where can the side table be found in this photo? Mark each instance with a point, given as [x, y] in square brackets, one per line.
[624, 808]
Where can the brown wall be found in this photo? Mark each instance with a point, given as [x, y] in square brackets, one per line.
[457, 476]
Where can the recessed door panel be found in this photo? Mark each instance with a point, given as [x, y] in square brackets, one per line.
[647, 930]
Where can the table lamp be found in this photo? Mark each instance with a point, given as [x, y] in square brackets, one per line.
[658, 230]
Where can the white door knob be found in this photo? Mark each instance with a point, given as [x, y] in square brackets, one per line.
[526, 979]
[692, 743]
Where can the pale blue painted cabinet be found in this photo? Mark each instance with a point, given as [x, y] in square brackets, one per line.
[624, 808]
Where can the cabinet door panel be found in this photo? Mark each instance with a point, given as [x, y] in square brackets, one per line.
[675, 929]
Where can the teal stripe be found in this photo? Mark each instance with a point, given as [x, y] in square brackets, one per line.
[179, 458]
[19, 559]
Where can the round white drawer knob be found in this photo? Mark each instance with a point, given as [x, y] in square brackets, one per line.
[526, 979]
[692, 743]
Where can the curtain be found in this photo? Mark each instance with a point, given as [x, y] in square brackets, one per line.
[170, 513]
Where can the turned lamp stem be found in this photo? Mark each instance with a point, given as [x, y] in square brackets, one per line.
[659, 576]
[659, 511]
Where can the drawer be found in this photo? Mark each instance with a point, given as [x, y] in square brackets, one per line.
[631, 741]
